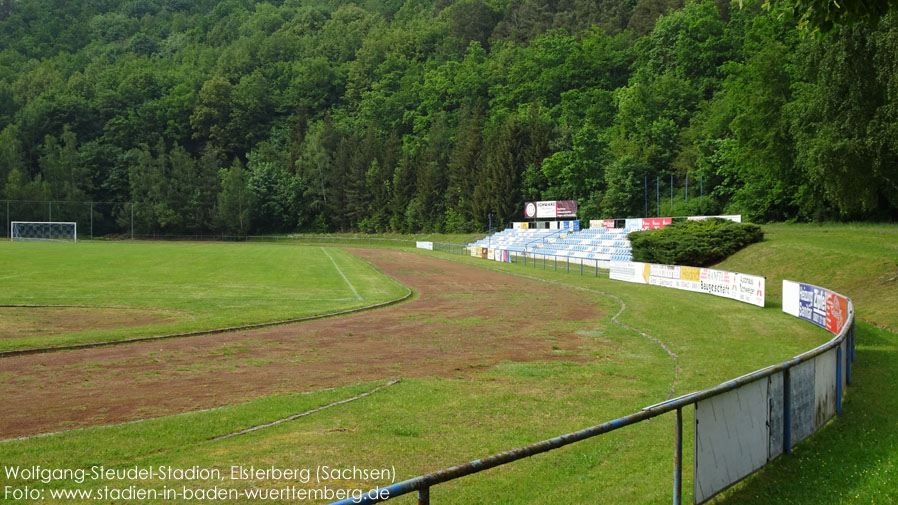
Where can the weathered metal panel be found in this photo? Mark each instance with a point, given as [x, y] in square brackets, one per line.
[844, 364]
[801, 410]
[775, 415]
[731, 438]
[824, 388]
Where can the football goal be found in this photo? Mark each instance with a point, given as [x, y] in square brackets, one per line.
[49, 231]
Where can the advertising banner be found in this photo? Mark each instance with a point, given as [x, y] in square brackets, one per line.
[817, 305]
[550, 209]
[653, 223]
[608, 223]
[737, 218]
[476, 252]
[733, 285]
[633, 224]
[425, 245]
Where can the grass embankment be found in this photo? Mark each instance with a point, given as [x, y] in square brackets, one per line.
[187, 286]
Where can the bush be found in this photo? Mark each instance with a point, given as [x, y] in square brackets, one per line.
[693, 243]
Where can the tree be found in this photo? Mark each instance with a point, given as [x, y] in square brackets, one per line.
[821, 16]
[11, 155]
[235, 201]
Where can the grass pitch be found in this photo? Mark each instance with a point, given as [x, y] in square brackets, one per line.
[185, 286]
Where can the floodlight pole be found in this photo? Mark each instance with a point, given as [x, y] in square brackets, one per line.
[132, 220]
[91, 220]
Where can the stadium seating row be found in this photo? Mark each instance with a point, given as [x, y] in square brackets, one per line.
[594, 245]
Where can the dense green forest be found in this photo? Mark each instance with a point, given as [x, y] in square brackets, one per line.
[243, 116]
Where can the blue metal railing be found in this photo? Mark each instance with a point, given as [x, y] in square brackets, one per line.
[423, 483]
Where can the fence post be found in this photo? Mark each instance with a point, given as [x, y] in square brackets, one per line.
[787, 414]
[848, 339]
[678, 460]
[839, 379]
[581, 267]
[424, 496]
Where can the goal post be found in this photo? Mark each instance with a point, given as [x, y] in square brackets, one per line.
[46, 231]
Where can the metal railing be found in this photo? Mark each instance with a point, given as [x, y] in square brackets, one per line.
[423, 483]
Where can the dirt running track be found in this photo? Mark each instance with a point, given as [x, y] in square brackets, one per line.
[463, 319]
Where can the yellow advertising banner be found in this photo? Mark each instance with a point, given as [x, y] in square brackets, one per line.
[690, 274]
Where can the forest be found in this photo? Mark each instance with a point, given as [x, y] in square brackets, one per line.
[255, 117]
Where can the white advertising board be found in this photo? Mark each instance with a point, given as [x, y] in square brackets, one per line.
[736, 286]
[737, 218]
[425, 245]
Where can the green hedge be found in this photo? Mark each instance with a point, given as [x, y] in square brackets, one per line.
[693, 243]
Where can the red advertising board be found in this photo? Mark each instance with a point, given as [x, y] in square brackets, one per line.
[608, 223]
[836, 312]
[653, 223]
[566, 208]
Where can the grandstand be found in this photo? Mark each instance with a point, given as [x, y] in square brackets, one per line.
[593, 246]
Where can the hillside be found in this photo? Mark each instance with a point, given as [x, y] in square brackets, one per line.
[253, 117]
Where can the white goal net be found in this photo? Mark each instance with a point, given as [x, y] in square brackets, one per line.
[43, 231]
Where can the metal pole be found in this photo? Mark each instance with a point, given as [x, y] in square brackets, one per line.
[8, 225]
[701, 187]
[787, 412]
[839, 379]
[132, 220]
[687, 186]
[671, 191]
[657, 196]
[424, 496]
[646, 193]
[678, 460]
[50, 211]
[91, 220]
[848, 358]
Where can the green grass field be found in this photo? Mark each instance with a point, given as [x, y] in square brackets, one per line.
[427, 424]
[196, 286]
